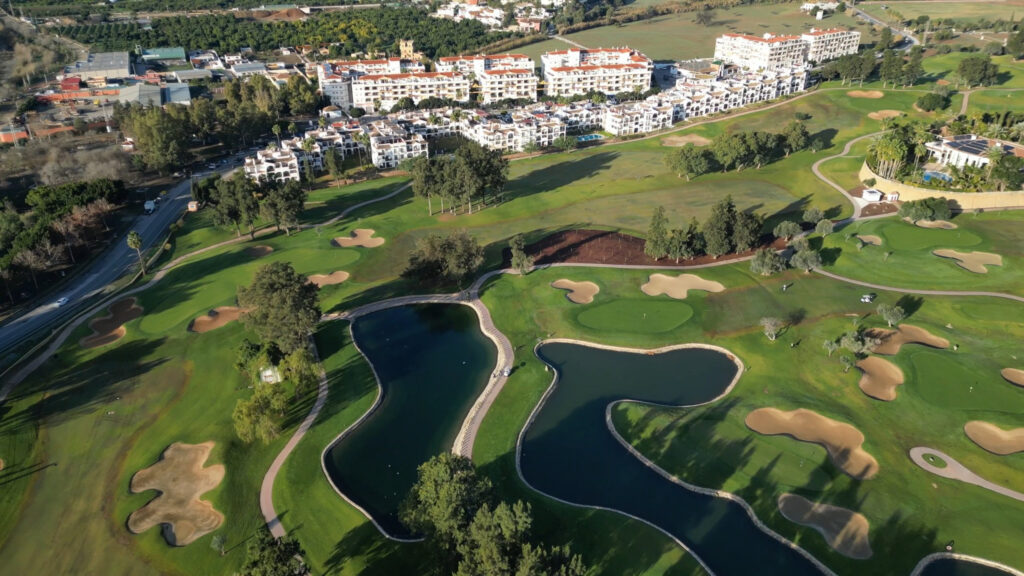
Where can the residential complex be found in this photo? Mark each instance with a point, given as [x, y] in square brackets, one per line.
[770, 52]
[376, 92]
[481, 63]
[969, 150]
[391, 144]
[498, 85]
[336, 78]
[825, 45]
[607, 70]
[272, 165]
[282, 163]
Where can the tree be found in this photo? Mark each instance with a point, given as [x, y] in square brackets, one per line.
[813, 215]
[718, 228]
[979, 69]
[771, 327]
[746, 231]
[795, 137]
[566, 143]
[520, 260]
[282, 204]
[884, 40]
[135, 243]
[258, 417]
[445, 498]
[786, 229]
[806, 260]
[824, 227]
[932, 101]
[830, 347]
[893, 314]
[301, 369]
[269, 556]
[689, 161]
[281, 306]
[891, 69]
[847, 363]
[440, 258]
[684, 243]
[219, 543]
[767, 262]
[334, 162]
[276, 129]
[913, 69]
[704, 17]
[656, 244]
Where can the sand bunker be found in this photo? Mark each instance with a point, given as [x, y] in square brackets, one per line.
[683, 140]
[678, 286]
[870, 239]
[336, 277]
[360, 237]
[940, 224]
[1013, 376]
[579, 292]
[110, 328]
[180, 478]
[893, 340]
[883, 114]
[845, 531]
[880, 378]
[258, 251]
[972, 261]
[995, 439]
[864, 94]
[842, 441]
[215, 318]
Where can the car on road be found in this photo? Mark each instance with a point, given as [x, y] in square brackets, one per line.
[868, 298]
[61, 301]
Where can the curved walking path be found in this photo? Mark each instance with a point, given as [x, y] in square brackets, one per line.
[858, 203]
[957, 471]
[918, 291]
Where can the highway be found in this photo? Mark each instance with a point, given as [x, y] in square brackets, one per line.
[115, 262]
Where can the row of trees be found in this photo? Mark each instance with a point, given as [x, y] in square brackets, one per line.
[739, 150]
[468, 175]
[240, 203]
[471, 533]
[726, 230]
[440, 259]
[62, 222]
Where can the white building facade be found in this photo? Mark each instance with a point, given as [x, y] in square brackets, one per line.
[766, 52]
[825, 45]
[498, 85]
[376, 92]
[608, 70]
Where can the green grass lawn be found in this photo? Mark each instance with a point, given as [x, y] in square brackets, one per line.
[911, 263]
[678, 37]
[971, 11]
[993, 101]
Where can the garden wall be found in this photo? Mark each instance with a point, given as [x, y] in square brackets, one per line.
[962, 201]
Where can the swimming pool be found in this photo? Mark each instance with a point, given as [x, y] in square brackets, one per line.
[589, 137]
[930, 174]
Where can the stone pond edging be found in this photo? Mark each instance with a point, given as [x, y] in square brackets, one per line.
[919, 568]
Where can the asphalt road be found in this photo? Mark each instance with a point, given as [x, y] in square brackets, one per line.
[117, 261]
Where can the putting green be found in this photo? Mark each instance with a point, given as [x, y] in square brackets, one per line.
[943, 380]
[634, 315]
[904, 236]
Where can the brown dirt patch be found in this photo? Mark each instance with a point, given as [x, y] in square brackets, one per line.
[942, 82]
[870, 239]
[995, 439]
[678, 286]
[845, 531]
[878, 208]
[362, 237]
[684, 139]
[181, 479]
[258, 251]
[865, 94]
[578, 292]
[880, 378]
[883, 114]
[1013, 376]
[110, 328]
[842, 441]
[972, 261]
[893, 340]
[336, 277]
[215, 318]
[606, 247]
[940, 224]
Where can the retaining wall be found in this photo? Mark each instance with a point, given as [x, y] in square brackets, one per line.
[960, 201]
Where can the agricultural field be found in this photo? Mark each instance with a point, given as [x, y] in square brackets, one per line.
[946, 10]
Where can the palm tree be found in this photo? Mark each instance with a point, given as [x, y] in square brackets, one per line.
[292, 128]
[322, 122]
[276, 129]
[135, 243]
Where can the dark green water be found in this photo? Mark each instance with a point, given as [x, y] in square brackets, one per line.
[432, 362]
[951, 567]
[569, 453]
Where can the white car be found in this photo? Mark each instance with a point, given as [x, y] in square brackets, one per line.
[61, 301]
[868, 298]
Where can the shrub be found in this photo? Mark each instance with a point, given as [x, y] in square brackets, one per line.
[931, 101]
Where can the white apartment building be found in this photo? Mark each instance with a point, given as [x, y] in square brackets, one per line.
[520, 130]
[481, 63]
[579, 116]
[608, 70]
[272, 166]
[457, 11]
[335, 78]
[513, 84]
[637, 117]
[390, 144]
[766, 52]
[825, 45]
[375, 92]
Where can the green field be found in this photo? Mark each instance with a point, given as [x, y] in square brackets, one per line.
[678, 37]
[947, 10]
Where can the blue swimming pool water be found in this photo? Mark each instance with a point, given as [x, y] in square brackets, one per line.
[930, 174]
[589, 137]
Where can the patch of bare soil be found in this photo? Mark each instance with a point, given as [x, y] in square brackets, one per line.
[181, 479]
[678, 286]
[971, 261]
[336, 277]
[841, 440]
[845, 531]
[578, 292]
[258, 251]
[684, 139]
[362, 237]
[215, 318]
[110, 328]
[879, 378]
[883, 114]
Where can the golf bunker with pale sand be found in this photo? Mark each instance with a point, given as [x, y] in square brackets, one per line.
[110, 328]
[880, 378]
[258, 251]
[215, 318]
[870, 239]
[971, 261]
[677, 287]
[1013, 376]
[994, 439]
[683, 140]
[884, 114]
[336, 277]
[893, 340]
[935, 224]
[578, 292]
[842, 441]
[180, 478]
[873, 94]
[361, 237]
[845, 531]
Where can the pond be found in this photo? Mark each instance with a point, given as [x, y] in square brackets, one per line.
[953, 567]
[432, 362]
[569, 453]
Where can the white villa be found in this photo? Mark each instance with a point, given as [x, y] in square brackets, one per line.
[969, 150]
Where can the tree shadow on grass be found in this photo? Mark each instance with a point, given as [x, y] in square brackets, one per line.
[829, 256]
[826, 136]
[561, 174]
[379, 555]
[910, 304]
